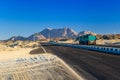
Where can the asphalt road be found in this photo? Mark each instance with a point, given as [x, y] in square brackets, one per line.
[115, 46]
[91, 65]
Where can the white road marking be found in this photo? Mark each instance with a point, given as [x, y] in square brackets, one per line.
[43, 48]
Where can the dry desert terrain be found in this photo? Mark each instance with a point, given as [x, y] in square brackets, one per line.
[19, 64]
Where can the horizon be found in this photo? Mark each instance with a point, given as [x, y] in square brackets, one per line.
[54, 29]
[28, 17]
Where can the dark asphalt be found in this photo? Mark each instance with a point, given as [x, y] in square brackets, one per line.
[91, 65]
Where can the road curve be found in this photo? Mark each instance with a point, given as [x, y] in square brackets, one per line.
[91, 65]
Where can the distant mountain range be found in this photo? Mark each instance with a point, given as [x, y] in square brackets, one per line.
[14, 38]
[59, 33]
[52, 33]
[36, 36]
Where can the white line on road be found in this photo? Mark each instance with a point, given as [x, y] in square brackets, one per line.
[43, 48]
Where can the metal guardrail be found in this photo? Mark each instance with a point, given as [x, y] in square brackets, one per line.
[110, 50]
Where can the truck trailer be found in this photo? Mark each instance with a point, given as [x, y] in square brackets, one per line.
[87, 39]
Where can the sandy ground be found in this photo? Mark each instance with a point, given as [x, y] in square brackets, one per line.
[9, 54]
[24, 64]
[13, 54]
[108, 41]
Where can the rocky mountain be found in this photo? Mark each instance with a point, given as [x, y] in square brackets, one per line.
[35, 37]
[86, 32]
[15, 38]
[53, 33]
[59, 33]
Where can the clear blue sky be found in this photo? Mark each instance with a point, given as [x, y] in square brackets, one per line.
[25, 17]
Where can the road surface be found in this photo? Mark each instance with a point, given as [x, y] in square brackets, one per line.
[91, 65]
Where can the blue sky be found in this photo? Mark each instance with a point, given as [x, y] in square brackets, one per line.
[25, 17]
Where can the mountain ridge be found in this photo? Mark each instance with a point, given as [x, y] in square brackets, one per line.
[48, 33]
[59, 33]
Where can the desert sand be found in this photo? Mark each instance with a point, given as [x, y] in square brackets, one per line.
[19, 64]
[14, 54]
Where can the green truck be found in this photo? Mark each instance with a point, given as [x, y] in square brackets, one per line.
[87, 39]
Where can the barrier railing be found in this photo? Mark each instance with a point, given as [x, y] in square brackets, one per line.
[110, 50]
